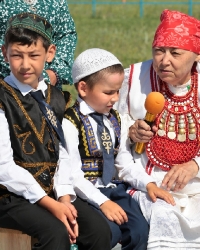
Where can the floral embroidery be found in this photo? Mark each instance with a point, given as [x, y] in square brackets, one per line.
[173, 27]
[182, 30]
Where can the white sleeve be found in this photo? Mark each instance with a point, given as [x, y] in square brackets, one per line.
[62, 177]
[197, 160]
[15, 178]
[83, 188]
[129, 171]
[122, 104]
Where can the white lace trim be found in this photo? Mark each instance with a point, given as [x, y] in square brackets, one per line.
[172, 227]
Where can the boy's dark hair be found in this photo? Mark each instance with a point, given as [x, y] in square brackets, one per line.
[24, 36]
[95, 77]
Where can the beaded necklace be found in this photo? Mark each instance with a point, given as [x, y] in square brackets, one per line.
[178, 125]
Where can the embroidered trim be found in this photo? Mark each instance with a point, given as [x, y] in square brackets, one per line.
[132, 191]
[88, 137]
[92, 168]
[85, 141]
[45, 166]
[50, 145]
[36, 164]
[25, 136]
[71, 120]
[117, 128]
[38, 134]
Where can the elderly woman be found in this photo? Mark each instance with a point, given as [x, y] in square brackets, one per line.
[172, 154]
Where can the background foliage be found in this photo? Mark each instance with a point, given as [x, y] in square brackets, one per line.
[120, 29]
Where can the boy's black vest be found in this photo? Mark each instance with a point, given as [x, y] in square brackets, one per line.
[29, 133]
[91, 156]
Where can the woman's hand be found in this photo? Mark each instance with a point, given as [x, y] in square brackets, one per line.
[140, 131]
[179, 175]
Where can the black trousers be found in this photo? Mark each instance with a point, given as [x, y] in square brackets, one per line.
[18, 213]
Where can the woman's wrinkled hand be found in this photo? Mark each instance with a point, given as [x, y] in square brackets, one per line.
[140, 131]
[179, 175]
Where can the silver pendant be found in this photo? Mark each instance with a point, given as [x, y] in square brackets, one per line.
[181, 137]
[171, 135]
[192, 137]
[161, 132]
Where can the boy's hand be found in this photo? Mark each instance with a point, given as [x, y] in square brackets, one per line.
[114, 212]
[63, 213]
[67, 202]
[155, 192]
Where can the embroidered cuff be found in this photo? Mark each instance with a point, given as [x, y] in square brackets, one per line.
[62, 190]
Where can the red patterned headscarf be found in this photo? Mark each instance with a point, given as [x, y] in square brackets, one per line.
[178, 30]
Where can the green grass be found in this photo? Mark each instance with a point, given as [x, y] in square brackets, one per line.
[119, 29]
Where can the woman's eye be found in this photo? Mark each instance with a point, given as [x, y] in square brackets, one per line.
[175, 53]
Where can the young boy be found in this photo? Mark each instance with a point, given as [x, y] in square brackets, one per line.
[98, 146]
[35, 171]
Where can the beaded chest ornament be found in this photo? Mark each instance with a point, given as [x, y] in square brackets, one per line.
[177, 139]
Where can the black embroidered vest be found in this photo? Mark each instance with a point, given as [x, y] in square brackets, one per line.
[29, 133]
[91, 156]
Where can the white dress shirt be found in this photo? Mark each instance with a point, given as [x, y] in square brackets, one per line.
[17, 179]
[127, 170]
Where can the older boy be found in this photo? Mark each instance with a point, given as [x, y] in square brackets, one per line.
[34, 166]
[98, 145]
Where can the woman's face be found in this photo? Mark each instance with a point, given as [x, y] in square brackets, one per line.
[173, 65]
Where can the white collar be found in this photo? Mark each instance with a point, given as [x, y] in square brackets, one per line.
[25, 88]
[180, 89]
[85, 109]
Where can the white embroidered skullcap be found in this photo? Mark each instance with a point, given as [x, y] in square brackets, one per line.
[91, 61]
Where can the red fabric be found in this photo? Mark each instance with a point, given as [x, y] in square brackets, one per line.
[178, 30]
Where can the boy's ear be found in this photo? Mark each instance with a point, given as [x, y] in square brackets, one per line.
[82, 88]
[3, 49]
[51, 53]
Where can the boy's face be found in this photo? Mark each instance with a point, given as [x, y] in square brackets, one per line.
[104, 93]
[27, 62]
